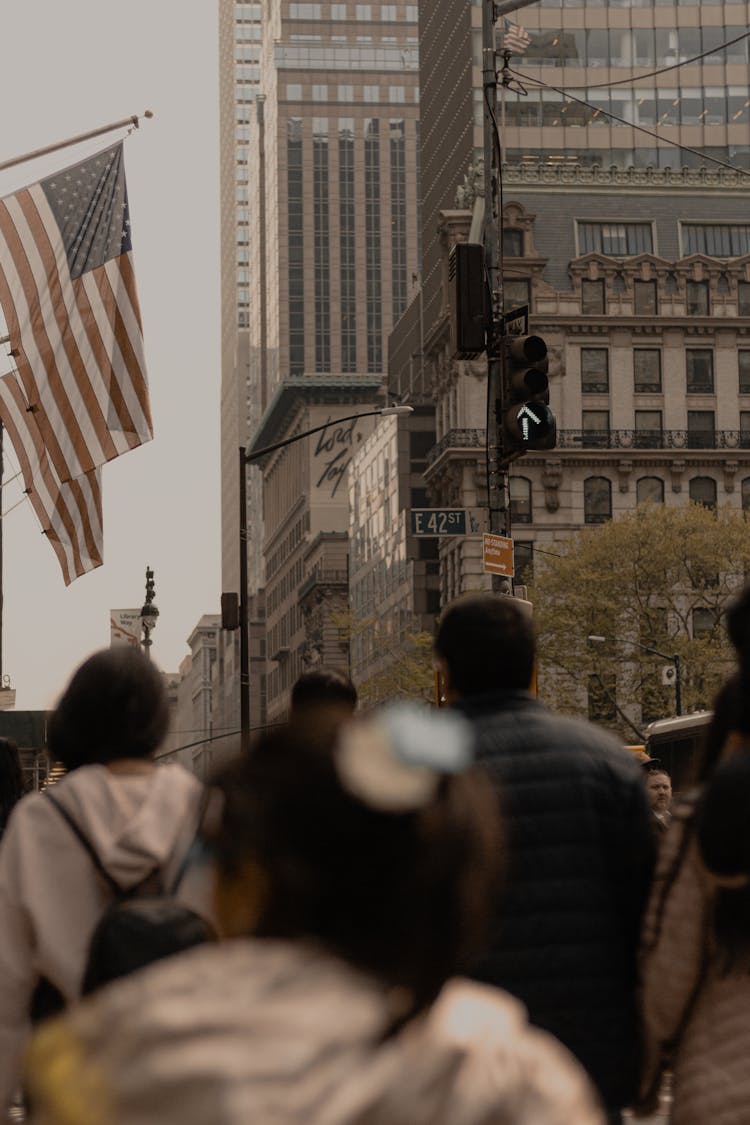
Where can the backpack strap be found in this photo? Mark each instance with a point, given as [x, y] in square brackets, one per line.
[86, 845]
[189, 855]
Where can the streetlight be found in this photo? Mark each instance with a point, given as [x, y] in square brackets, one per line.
[675, 659]
[149, 613]
[245, 460]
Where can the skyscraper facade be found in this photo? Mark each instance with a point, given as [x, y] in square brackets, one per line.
[320, 142]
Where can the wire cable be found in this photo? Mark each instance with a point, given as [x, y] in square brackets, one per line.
[662, 70]
[631, 125]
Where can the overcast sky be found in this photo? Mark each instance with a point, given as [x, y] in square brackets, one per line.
[67, 68]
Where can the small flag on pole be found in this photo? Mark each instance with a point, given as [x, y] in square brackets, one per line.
[515, 38]
[67, 289]
[70, 513]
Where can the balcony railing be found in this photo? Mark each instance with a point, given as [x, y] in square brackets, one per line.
[653, 439]
[322, 578]
[609, 439]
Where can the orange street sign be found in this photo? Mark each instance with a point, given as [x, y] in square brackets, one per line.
[497, 555]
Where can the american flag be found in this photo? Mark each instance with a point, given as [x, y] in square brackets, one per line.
[70, 513]
[67, 291]
[515, 38]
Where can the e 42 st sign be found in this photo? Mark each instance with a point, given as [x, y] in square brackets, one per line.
[436, 522]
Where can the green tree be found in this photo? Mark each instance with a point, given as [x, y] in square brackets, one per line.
[659, 576]
[404, 669]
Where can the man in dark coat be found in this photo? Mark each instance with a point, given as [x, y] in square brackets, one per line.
[579, 846]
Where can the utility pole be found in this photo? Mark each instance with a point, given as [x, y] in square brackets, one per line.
[497, 470]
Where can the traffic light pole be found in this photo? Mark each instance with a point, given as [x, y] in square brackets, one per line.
[497, 470]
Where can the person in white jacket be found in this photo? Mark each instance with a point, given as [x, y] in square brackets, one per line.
[138, 819]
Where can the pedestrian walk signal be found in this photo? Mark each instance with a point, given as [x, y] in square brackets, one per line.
[527, 421]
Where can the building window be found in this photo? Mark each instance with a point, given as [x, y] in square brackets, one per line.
[320, 93]
[648, 429]
[701, 429]
[346, 246]
[520, 500]
[595, 429]
[717, 240]
[371, 93]
[601, 693]
[644, 298]
[703, 491]
[304, 11]
[512, 242]
[592, 297]
[345, 93]
[420, 444]
[372, 247]
[338, 11]
[745, 493]
[696, 295]
[597, 500]
[398, 218]
[647, 370]
[516, 293]
[396, 94]
[594, 371]
[705, 621]
[617, 239]
[743, 361]
[699, 371]
[649, 490]
[293, 92]
[523, 562]
[321, 246]
[743, 298]
[295, 275]
[745, 429]
[364, 12]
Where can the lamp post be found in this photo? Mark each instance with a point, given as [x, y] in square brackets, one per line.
[675, 659]
[246, 459]
[149, 613]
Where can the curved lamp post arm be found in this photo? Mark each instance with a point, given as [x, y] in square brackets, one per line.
[675, 659]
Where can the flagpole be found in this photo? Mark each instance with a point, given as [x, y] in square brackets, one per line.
[132, 121]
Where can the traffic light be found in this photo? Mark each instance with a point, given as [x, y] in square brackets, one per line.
[468, 301]
[527, 421]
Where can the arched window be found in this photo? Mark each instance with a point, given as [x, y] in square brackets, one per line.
[649, 489]
[745, 494]
[520, 500]
[703, 491]
[597, 500]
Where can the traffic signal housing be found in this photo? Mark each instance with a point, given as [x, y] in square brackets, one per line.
[468, 300]
[527, 421]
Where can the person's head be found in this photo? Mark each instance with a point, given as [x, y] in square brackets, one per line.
[324, 687]
[659, 790]
[385, 860]
[11, 778]
[133, 934]
[738, 630]
[485, 643]
[114, 707]
[725, 719]
[723, 834]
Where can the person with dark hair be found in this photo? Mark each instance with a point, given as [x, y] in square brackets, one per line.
[11, 780]
[659, 791]
[353, 868]
[324, 687]
[113, 820]
[579, 845]
[694, 947]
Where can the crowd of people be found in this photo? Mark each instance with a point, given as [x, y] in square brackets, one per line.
[483, 913]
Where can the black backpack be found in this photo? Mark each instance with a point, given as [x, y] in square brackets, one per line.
[47, 1000]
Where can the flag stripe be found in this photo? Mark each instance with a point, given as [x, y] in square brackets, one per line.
[69, 341]
[127, 301]
[23, 297]
[70, 514]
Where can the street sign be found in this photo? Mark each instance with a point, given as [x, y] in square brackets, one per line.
[436, 522]
[497, 555]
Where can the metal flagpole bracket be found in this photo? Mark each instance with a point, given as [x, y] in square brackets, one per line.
[132, 121]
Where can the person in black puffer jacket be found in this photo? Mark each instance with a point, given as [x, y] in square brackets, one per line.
[580, 848]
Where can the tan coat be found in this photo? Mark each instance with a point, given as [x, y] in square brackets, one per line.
[695, 1019]
[278, 1034]
[50, 895]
